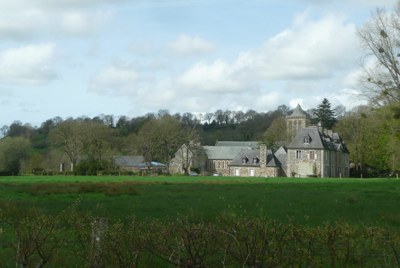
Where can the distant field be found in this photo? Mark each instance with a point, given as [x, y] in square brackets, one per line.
[371, 202]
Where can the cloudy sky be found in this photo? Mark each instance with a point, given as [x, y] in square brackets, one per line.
[72, 58]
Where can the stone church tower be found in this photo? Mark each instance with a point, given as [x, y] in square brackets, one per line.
[295, 122]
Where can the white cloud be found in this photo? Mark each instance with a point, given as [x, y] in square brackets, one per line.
[51, 4]
[294, 102]
[309, 53]
[25, 23]
[31, 64]
[191, 45]
[219, 76]
[118, 79]
[79, 22]
[35, 19]
[358, 3]
[376, 3]
[308, 50]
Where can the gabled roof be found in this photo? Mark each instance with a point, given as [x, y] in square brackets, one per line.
[272, 161]
[129, 160]
[316, 139]
[223, 152]
[312, 138]
[250, 144]
[152, 164]
[251, 154]
[298, 111]
[281, 155]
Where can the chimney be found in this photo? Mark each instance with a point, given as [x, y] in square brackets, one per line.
[263, 155]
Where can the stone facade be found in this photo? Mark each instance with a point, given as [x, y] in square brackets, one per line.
[220, 166]
[316, 154]
[254, 172]
[189, 158]
[229, 159]
[255, 163]
[311, 153]
[296, 121]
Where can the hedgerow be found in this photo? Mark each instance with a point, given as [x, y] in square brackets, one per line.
[32, 238]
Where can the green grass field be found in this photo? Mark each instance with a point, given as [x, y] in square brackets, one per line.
[371, 202]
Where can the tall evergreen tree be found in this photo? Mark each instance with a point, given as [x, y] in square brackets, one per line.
[325, 115]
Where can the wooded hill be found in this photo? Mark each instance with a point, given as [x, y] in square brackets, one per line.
[372, 136]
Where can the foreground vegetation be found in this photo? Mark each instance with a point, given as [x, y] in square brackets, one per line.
[198, 221]
[71, 239]
[306, 201]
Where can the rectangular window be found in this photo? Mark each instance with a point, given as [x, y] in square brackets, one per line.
[312, 155]
[251, 172]
[237, 172]
[298, 154]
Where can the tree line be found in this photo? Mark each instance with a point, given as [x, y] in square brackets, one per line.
[90, 144]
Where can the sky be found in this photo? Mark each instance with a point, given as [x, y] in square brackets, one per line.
[73, 58]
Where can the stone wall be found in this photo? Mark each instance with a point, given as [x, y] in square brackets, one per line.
[304, 166]
[254, 171]
[219, 166]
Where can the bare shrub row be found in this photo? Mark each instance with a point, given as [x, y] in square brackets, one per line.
[31, 238]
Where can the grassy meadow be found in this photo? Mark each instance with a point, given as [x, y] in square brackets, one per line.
[370, 202]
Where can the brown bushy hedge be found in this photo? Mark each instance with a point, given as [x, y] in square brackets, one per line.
[31, 238]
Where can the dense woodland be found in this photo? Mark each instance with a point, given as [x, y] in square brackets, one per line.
[371, 132]
[97, 140]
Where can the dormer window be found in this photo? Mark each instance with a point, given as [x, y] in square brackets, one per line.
[307, 139]
[255, 160]
[245, 160]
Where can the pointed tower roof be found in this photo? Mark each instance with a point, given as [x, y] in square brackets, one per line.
[298, 111]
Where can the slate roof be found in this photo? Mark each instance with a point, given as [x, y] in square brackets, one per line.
[152, 164]
[129, 160]
[298, 111]
[281, 155]
[250, 144]
[272, 161]
[223, 152]
[317, 140]
[250, 154]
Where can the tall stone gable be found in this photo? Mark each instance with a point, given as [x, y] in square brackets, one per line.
[295, 122]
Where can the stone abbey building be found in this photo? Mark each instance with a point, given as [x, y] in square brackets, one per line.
[310, 153]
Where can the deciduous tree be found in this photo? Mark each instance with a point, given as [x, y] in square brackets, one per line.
[66, 137]
[276, 133]
[380, 38]
[12, 152]
[159, 139]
